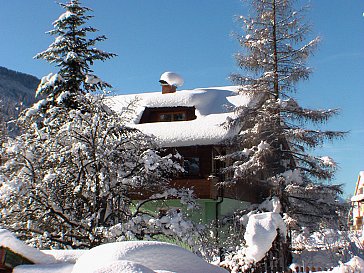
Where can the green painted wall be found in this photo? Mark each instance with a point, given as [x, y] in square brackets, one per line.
[207, 210]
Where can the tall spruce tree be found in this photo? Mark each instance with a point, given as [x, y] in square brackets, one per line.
[77, 176]
[274, 146]
[73, 52]
[275, 137]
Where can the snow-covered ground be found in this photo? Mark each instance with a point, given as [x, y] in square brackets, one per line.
[126, 257]
[355, 265]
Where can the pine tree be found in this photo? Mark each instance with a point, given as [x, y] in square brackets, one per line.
[74, 54]
[275, 140]
[78, 176]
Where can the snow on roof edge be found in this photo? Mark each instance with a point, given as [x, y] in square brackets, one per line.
[8, 240]
[214, 106]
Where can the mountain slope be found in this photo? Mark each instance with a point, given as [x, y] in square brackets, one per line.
[16, 91]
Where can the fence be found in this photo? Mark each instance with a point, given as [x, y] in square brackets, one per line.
[308, 269]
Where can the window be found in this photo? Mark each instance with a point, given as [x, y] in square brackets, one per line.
[359, 222]
[168, 114]
[191, 166]
[178, 116]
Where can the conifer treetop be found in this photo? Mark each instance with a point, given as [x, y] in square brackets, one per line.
[73, 53]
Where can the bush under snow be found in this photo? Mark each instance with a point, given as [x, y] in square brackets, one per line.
[156, 256]
[126, 257]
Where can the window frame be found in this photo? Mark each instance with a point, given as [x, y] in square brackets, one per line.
[172, 114]
[188, 174]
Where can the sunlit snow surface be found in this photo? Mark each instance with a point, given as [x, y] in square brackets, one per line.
[261, 232]
[172, 78]
[156, 256]
[126, 257]
[214, 106]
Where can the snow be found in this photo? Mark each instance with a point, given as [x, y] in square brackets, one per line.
[188, 133]
[263, 145]
[172, 78]
[122, 266]
[260, 233]
[358, 197]
[361, 179]
[48, 82]
[65, 256]
[271, 204]
[92, 79]
[8, 240]
[71, 56]
[126, 257]
[63, 96]
[328, 161]
[213, 107]
[64, 16]
[292, 176]
[156, 256]
[44, 268]
[355, 265]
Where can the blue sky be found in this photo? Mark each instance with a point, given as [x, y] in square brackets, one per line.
[194, 39]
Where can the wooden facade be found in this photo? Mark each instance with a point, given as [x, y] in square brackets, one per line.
[206, 184]
[203, 171]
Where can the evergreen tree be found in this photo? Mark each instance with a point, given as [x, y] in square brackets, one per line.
[74, 54]
[273, 148]
[78, 176]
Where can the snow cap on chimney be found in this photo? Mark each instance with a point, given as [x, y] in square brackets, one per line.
[170, 81]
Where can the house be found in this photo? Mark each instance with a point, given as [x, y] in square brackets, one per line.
[357, 204]
[190, 122]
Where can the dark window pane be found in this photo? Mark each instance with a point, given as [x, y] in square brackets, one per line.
[165, 117]
[191, 166]
[179, 116]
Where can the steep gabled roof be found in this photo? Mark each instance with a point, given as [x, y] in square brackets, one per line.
[359, 184]
[213, 107]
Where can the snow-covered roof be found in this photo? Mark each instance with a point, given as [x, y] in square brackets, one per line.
[360, 184]
[8, 240]
[357, 198]
[213, 107]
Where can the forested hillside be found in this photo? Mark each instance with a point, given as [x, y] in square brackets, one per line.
[16, 91]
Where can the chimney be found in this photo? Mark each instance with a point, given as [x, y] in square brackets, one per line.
[167, 88]
[170, 81]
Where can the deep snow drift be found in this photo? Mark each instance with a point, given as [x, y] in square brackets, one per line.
[156, 256]
[126, 257]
